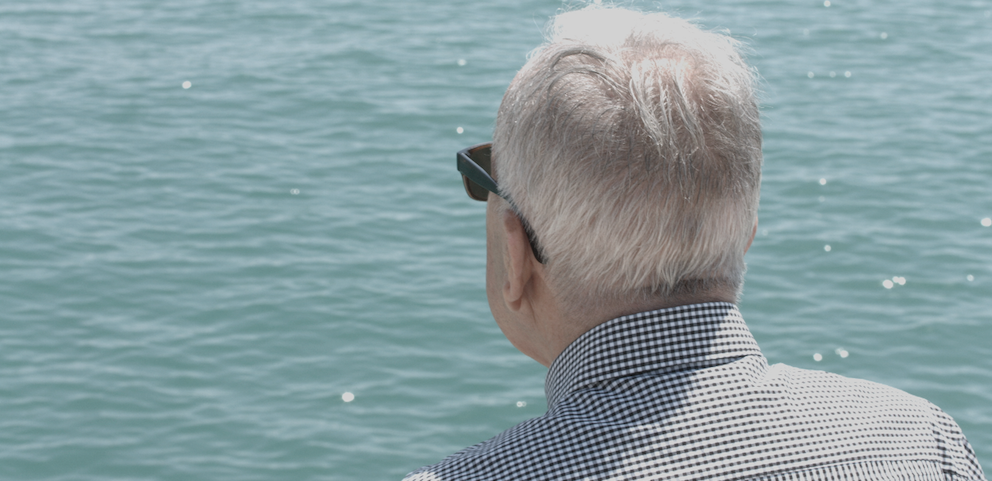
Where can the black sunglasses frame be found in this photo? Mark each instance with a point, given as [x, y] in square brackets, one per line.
[475, 165]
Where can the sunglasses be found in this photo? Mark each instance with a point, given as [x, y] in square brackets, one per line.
[476, 166]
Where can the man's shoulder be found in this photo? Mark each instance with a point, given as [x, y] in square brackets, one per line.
[906, 425]
[812, 389]
[816, 384]
[505, 453]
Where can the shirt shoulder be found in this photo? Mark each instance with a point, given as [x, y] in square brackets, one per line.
[911, 425]
[501, 457]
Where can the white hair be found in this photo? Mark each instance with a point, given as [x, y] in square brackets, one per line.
[631, 144]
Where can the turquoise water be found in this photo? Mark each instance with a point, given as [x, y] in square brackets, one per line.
[194, 277]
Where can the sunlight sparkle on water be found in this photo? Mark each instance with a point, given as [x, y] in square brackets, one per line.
[460, 130]
[847, 73]
[970, 278]
[810, 74]
[884, 36]
[347, 397]
[826, 247]
[887, 284]
[521, 404]
[826, 3]
[461, 62]
[187, 84]
[899, 280]
[817, 357]
[833, 74]
[987, 222]
[823, 181]
[840, 351]
[294, 191]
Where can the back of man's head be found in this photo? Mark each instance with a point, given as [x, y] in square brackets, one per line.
[631, 144]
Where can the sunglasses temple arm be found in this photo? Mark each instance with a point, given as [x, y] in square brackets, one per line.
[478, 175]
[531, 238]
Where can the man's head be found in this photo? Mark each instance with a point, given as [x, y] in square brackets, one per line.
[631, 145]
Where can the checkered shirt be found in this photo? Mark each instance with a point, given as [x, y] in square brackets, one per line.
[684, 393]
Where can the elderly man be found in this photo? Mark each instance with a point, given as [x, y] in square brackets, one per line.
[622, 189]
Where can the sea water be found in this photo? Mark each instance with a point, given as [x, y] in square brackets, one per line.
[234, 245]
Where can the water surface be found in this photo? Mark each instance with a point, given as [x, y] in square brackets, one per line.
[193, 277]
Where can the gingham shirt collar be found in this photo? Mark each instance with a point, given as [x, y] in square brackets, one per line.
[669, 339]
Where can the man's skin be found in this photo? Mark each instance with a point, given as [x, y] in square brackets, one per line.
[523, 303]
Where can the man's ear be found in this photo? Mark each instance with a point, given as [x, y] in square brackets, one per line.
[519, 261]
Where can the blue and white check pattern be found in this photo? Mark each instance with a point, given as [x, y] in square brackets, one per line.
[684, 393]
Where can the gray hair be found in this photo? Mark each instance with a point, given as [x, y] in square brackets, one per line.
[631, 144]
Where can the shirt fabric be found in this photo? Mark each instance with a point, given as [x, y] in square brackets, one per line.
[685, 393]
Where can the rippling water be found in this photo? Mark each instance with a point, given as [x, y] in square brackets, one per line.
[193, 277]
